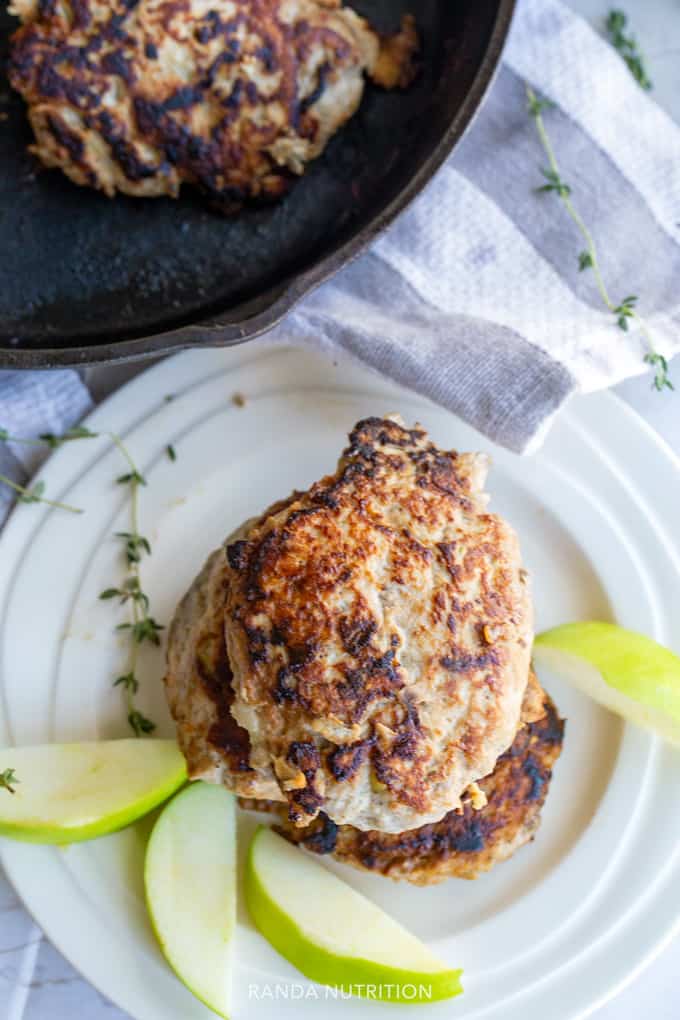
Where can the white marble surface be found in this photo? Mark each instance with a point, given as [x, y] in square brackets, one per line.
[36, 983]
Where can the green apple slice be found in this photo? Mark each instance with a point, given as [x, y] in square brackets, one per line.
[190, 880]
[65, 793]
[624, 671]
[332, 933]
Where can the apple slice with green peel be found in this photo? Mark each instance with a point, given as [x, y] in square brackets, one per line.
[624, 671]
[190, 880]
[65, 793]
[332, 933]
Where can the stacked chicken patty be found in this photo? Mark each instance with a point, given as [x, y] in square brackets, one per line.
[357, 660]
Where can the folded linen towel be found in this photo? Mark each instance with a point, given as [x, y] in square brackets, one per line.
[475, 297]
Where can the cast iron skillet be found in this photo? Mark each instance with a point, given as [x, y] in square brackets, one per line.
[84, 278]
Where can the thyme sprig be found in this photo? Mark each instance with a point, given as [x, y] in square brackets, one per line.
[36, 494]
[627, 46]
[142, 627]
[624, 311]
[8, 780]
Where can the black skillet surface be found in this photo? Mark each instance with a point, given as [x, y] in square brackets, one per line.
[84, 278]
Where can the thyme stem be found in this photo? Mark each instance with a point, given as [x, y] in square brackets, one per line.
[35, 496]
[131, 688]
[589, 259]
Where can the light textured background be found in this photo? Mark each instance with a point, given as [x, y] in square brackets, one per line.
[37, 984]
[655, 994]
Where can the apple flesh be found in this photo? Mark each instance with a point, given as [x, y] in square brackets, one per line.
[625, 672]
[66, 793]
[332, 933]
[190, 881]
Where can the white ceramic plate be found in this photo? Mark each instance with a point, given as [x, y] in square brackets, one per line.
[553, 932]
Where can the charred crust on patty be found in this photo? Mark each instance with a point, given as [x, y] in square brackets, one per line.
[225, 734]
[447, 550]
[370, 433]
[356, 632]
[344, 761]
[324, 838]
[306, 801]
[69, 140]
[552, 728]
[236, 554]
[464, 663]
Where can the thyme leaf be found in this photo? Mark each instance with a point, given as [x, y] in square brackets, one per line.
[555, 183]
[135, 546]
[131, 476]
[139, 723]
[8, 780]
[127, 680]
[627, 46]
[660, 365]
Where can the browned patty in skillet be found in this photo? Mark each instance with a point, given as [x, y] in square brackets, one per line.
[234, 96]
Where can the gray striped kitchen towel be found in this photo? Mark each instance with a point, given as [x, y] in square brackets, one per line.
[474, 298]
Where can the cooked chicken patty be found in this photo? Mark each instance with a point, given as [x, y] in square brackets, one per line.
[235, 96]
[463, 844]
[379, 630]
